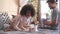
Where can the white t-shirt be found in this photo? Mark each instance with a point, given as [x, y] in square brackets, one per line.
[23, 21]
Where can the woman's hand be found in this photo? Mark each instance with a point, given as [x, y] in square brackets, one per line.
[35, 22]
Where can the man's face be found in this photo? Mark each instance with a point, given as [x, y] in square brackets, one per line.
[51, 5]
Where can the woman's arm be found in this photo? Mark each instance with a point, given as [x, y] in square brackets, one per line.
[16, 23]
[16, 26]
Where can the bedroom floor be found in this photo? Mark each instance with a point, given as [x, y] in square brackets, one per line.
[41, 31]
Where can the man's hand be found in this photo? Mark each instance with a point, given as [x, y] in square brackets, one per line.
[47, 23]
[54, 22]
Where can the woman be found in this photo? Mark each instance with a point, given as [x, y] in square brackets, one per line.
[25, 19]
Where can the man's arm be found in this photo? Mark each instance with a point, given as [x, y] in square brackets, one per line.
[54, 17]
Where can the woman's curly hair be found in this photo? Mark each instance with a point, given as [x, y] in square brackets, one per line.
[28, 7]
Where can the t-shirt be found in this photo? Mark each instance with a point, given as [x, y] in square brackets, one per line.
[22, 21]
[55, 14]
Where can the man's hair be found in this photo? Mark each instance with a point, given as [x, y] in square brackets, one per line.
[52, 1]
[28, 7]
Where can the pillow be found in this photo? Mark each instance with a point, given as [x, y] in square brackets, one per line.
[4, 19]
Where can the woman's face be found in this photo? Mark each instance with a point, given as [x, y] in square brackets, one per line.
[28, 14]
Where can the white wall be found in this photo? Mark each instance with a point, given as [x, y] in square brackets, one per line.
[9, 6]
[22, 3]
[59, 4]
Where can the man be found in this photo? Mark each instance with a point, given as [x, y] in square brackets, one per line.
[52, 5]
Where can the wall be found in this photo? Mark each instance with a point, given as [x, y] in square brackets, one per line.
[10, 6]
